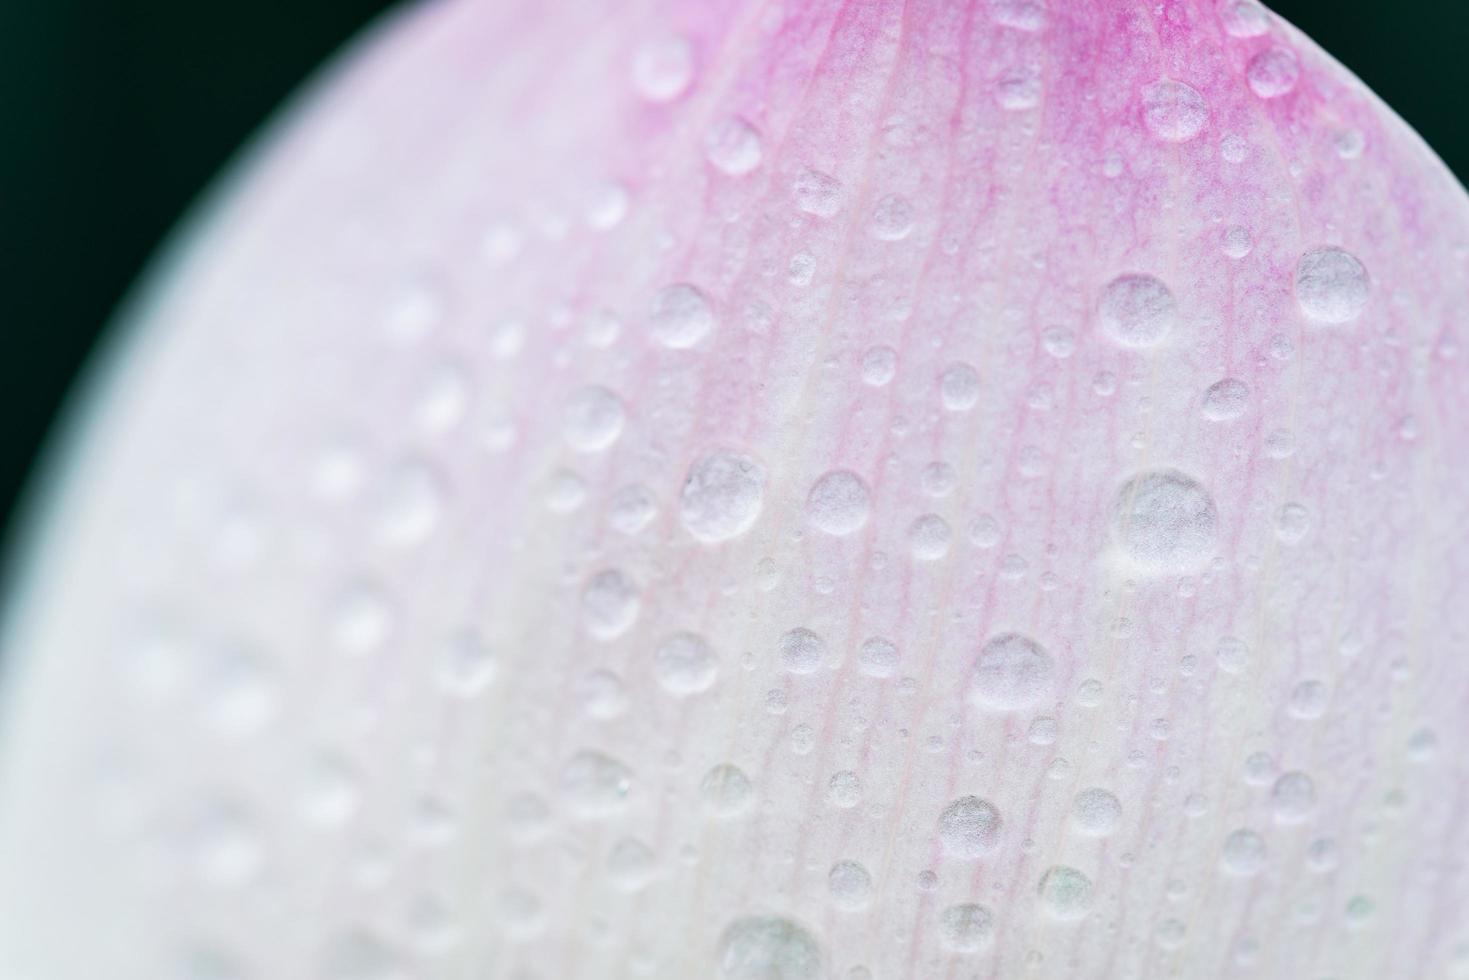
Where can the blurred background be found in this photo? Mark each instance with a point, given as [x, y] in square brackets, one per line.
[117, 113]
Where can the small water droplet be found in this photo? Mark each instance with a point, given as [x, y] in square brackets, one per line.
[966, 928]
[768, 948]
[969, 828]
[817, 193]
[959, 387]
[663, 68]
[850, 885]
[726, 791]
[844, 789]
[839, 503]
[1066, 893]
[684, 664]
[879, 364]
[801, 651]
[1137, 311]
[592, 419]
[732, 145]
[610, 602]
[680, 317]
[1174, 111]
[1011, 672]
[595, 785]
[722, 496]
[1226, 400]
[1331, 285]
[1165, 521]
[1273, 72]
[1096, 812]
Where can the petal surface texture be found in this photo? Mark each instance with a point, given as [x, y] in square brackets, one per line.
[769, 491]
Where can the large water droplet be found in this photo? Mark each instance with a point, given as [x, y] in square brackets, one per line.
[1137, 310]
[1293, 797]
[850, 885]
[817, 193]
[722, 496]
[726, 791]
[1096, 812]
[959, 387]
[1012, 671]
[1225, 400]
[760, 947]
[1165, 521]
[685, 664]
[610, 603]
[733, 146]
[1174, 111]
[592, 419]
[966, 928]
[839, 503]
[801, 650]
[663, 68]
[595, 784]
[1066, 893]
[680, 317]
[1331, 285]
[969, 828]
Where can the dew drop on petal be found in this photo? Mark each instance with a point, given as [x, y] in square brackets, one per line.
[966, 928]
[681, 316]
[892, 218]
[1243, 854]
[732, 145]
[1012, 671]
[1293, 797]
[801, 651]
[1243, 18]
[959, 387]
[592, 419]
[722, 496]
[928, 537]
[768, 948]
[879, 364]
[630, 864]
[1096, 812]
[1174, 111]
[1236, 242]
[631, 508]
[467, 665]
[1165, 521]
[663, 68]
[726, 791]
[1331, 285]
[878, 657]
[1225, 400]
[817, 193]
[594, 784]
[1137, 310]
[839, 503]
[1292, 523]
[610, 603]
[969, 828]
[1273, 72]
[844, 789]
[685, 664]
[850, 885]
[1065, 893]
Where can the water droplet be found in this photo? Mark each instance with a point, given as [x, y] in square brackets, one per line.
[1243, 18]
[1309, 700]
[1066, 893]
[1331, 285]
[969, 828]
[1273, 72]
[878, 657]
[631, 508]
[1018, 89]
[959, 387]
[850, 885]
[1226, 400]
[361, 619]
[844, 789]
[1170, 934]
[1233, 654]
[892, 218]
[1243, 854]
[929, 537]
[663, 68]
[726, 791]
[732, 145]
[801, 651]
[1236, 242]
[1012, 671]
[565, 492]
[594, 784]
[630, 864]
[226, 845]
[817, 193]
[966, 928]
[592, 419]
[1292, 523]
[1165, 521]
[879, 364]
[602, 694]
[1174, 111]
[238, 691]
[330, 795]
[685, 664]
[467, 665]
[1293, 797]
[1137, 311]
[722, 496]
[360, 955]
[409, 504]
[759, 947]
[681, 316]
[839, 503]
[610, 603]
[1096, 812]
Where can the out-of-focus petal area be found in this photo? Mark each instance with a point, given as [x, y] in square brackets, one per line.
[769, 491]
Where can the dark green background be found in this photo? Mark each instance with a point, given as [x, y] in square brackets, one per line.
[117, 112]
